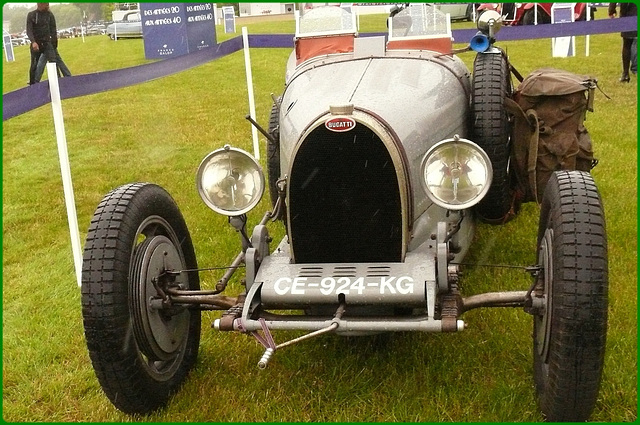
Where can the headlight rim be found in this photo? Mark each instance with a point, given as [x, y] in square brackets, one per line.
[207, 201]
[477, 198]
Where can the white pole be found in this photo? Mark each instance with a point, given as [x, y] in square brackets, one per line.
[587, 38]
[252, 104]
[65, 169]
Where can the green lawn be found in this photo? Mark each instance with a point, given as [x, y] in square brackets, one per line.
[159, 131]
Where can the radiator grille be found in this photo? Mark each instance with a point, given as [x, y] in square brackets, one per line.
[344, 199]
[344, 271]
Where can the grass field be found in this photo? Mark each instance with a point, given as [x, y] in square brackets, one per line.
[158, 132]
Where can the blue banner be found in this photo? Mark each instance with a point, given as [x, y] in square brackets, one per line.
[175, 29]
[7, 46]
[562, 46]
[201, 27]
[164, 29]
[229, 19]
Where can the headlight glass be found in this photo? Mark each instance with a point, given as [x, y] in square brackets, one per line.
[230, 181]
[456, 173]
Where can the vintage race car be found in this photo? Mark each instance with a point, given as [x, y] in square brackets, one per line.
[382, 154]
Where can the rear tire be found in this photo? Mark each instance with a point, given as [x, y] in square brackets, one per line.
[570, 331]
[141, 355]
[491, 128]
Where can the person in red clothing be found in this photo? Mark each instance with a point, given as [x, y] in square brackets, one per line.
[629, 39]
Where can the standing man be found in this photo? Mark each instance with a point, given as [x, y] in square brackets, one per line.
[628, 37]
[43, 34]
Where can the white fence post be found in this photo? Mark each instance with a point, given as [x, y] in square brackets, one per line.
[65, 169]
[252, 103]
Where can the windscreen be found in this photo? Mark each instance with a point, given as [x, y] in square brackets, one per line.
[325, 20]
[418, 21]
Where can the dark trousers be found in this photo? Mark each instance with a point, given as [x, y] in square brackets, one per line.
[50, 55]
[626, 54]
[634, 56]
[34, 64]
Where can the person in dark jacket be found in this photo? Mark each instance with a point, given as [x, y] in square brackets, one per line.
[628, 38]
[43, 34]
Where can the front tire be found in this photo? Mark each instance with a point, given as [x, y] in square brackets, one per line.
[141, 353]
[570, 330]
[491, 127]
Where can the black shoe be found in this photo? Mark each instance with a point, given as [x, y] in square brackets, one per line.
[625, 78]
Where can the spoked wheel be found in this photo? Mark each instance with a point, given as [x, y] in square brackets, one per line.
[569, 331]
[491, 128]
[141, 346]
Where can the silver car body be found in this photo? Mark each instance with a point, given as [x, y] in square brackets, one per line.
[372, 85]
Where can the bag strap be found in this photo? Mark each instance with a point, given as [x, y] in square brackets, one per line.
[515, 72]
[529, 152]
[532, 158]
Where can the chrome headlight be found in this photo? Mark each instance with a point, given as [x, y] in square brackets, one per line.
[230, 181]
[489, 22]
[456, 173]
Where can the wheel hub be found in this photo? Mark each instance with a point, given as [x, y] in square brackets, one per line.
[544, 290]
[159, 335]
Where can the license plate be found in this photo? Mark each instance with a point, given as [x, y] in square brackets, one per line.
[287, 285]
[333, 286]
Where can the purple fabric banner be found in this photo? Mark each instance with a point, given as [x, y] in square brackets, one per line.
[598, 26]
[507, 33]
[28, 98]
[24, 100]
[271, 40]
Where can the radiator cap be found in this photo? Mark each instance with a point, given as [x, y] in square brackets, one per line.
[341, 109]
